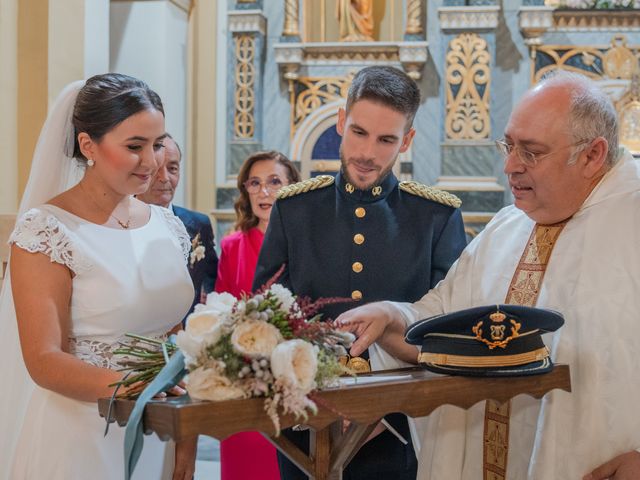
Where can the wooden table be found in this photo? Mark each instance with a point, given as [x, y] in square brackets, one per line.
[364, 405]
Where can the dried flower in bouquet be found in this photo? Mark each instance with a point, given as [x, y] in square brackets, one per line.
[271, 344]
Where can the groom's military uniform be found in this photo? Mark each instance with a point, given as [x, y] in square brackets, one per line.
[391, 242]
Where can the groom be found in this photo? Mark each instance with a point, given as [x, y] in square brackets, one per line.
[203, 260]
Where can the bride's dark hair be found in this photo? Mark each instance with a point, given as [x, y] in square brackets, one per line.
[107, 100]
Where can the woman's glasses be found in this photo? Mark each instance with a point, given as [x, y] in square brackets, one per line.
[254, 185]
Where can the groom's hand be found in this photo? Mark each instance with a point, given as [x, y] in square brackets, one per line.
[367, 323]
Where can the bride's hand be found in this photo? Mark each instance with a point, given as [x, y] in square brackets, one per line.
[175, 391]
[185, 464]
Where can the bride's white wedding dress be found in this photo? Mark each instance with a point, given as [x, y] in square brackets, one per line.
[125, 281]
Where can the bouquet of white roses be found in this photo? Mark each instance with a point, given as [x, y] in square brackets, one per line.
[270, 345]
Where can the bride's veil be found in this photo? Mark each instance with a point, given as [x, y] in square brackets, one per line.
[52, 172]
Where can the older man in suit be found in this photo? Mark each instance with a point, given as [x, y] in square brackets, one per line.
[203, 261]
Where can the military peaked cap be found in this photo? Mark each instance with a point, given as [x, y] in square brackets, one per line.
[495, 340]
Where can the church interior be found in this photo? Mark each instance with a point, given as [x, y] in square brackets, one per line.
[241, 76]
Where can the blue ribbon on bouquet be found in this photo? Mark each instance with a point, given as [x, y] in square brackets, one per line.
[168, 377]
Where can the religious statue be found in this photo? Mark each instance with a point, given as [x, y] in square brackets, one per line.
[356, 20]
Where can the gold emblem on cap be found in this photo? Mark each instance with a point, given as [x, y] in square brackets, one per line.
[356, 295]
[358, 239]
[376, 191]
[357, 267]
[360, 212]
[349, 188]
[497, 332]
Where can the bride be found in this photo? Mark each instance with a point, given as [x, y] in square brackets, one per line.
[88, 264]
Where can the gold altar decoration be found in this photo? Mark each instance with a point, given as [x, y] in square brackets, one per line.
[629, 114]
[468, 77]
[619, 61]
[243, 118]
[291, 20]
[355, 18]
[310, 93]
[595, 20]
[414, 17]
[615, 61]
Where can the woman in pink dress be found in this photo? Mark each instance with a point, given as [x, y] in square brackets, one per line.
[260, 177]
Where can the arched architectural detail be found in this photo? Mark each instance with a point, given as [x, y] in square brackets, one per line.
[308, 133]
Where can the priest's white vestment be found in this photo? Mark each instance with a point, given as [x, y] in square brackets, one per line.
[593, 278]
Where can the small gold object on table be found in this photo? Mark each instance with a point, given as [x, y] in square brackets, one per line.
[413, 391]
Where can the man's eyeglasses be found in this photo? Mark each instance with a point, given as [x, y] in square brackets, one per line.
[528, 158]
[271, 185]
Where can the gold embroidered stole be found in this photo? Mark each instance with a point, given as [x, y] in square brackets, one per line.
[523, 290]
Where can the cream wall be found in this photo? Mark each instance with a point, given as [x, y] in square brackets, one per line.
[46, 44]
[32, 85]
[78, 45]
[149, 41]
[8, 105]
[203, 81]
[43, 46]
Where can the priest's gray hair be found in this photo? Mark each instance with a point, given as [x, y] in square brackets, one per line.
[591, 113]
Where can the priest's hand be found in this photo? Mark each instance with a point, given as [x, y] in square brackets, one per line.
[379, 323]
[185, 463]
[622, 467]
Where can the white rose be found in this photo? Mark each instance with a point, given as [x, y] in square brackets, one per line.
[203, 328]
[221, 302]
[283, 295]
[255, 338]
[190, 347]
[205, 325]
[207, 384]
[297, 362]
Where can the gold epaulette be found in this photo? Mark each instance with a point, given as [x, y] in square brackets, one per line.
[314, 183]
[431, 193]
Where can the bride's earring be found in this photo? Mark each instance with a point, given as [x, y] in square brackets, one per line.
[91, 162]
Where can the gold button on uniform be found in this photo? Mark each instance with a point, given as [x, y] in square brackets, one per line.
[357, 267]
[358, 239]
[356, 295]
[360, 212]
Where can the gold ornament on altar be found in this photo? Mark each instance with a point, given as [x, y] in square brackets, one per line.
[468, 76]
[619, 62]
[355, 18]
[629, 113]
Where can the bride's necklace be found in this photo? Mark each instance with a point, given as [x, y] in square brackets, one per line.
[124, 225]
